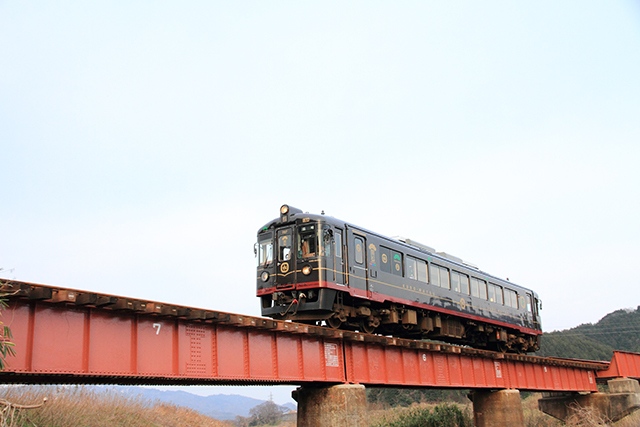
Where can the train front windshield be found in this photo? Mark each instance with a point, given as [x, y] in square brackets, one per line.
[302, 253]
[264, 254]
[289, 254]
[303, 244]
[307, 241]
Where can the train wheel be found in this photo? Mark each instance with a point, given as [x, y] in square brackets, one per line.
[501, 347]
[366, 326]
[334, 322]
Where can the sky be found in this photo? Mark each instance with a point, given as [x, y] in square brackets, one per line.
[144, 143]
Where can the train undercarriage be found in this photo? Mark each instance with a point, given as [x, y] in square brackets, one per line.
[408, 322]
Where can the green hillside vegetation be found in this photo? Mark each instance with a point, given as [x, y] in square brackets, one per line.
[573, 346]
[619, 330]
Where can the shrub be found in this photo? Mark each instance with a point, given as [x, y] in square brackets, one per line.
[445, 415]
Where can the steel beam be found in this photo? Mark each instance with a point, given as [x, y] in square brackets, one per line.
[624, 364]
[376, 365]
[69, 336]
[61, 342]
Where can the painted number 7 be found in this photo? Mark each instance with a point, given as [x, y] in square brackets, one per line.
[158, 326]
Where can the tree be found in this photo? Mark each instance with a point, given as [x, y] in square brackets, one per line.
[6, 345]
[267, 413]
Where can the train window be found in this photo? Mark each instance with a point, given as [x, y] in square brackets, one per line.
[359, 249]
[411, 268]
[385, 259]
[422, 271]
[495, 293]
[327, 242]
[416, 269]
[464, 284]
[474, 288]
[460, 282]
[529, 303]
[482, 287]
[265, 250]
[307, 241]
[396, 260]
[507, 297]
[510, 298]
[284, 244]
[478, 288]
[435, 275]
[455, 281]
[440, 276]
[338, 242]
[444, 278]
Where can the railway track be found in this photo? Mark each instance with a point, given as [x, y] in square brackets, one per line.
[54, 295]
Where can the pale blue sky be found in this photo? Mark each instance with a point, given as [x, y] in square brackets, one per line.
[145, 142]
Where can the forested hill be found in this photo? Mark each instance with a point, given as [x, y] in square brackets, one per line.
[619, 330]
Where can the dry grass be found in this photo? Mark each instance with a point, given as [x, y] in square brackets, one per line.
[533, 417]
[632, 420]
[84, 406]
[586, 417]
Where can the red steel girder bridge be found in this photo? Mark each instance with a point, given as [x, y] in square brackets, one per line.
[71, 336]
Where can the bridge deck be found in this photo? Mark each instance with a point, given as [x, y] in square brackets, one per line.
[68, 336]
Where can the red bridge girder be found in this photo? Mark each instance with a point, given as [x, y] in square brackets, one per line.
[450, 368]
[70, 336]
[624, 364]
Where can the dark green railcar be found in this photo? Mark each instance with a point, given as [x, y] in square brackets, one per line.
[318, 269]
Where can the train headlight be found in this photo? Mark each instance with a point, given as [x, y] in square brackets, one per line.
[306, 270]
[264, 276]
[286, 211]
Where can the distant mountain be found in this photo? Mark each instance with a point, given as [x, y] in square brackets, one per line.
[619, 330]
[218, 406]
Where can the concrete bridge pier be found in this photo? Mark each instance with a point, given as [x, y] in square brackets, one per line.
[497, 408]
[622, 399]
[343, 405]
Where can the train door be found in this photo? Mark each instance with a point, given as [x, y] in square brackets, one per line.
[285, 267]
[537, 305]
[532, 307]
[358, 264]
[328, 255]
[339, 257]
[333, 256]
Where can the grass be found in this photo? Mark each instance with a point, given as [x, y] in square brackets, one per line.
[584, 417]
[532, 416]
[85, 406]
[423, 414]
[90, 407]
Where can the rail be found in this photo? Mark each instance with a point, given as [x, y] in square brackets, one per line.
[66, 335]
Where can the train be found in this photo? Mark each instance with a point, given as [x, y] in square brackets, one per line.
[316, 269]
